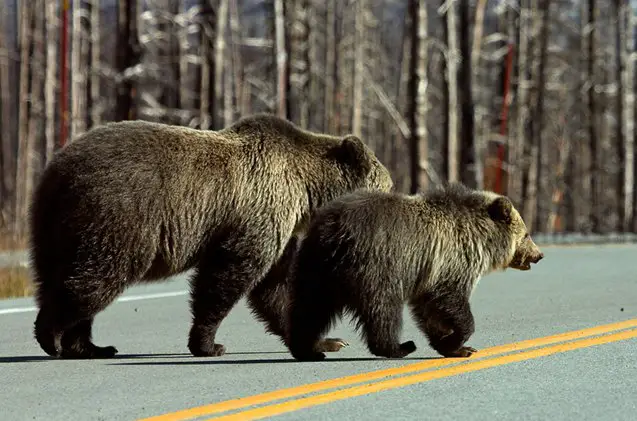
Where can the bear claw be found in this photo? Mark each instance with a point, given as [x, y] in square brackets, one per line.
[462, 352]
[331, 345]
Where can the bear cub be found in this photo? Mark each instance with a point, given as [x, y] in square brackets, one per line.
[368, 253]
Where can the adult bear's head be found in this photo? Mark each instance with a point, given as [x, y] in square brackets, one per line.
[326, 166]
[361, 165]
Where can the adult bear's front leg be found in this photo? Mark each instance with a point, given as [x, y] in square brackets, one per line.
[221, 279]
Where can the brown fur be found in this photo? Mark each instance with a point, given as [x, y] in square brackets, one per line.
[137, 201]
[368, 253]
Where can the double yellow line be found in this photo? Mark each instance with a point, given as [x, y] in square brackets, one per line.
[564, 342]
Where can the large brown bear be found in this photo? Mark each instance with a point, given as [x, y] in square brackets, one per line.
[137, 201]
[368, 253]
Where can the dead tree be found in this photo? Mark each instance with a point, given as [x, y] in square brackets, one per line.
[95, 65]
[8, 134]
[51, 73]
[281, 59]
[531, 214]
[453, 155]
[469, 162]
[299, 63]
[518, 155]
[330, 66]
[24, 170]
[36, 109]
[206, 72]
[592, 118]
[417, 112]
[360, 44]
[127, 56]
[625, 103]
[79, 70]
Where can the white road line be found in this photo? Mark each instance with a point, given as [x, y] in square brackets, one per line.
[121, 300]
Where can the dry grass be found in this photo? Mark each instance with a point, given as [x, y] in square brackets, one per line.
[9, 242]
[15, 282]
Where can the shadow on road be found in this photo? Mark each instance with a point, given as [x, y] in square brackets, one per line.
[25, 359]
[265, 361]
[35, 358]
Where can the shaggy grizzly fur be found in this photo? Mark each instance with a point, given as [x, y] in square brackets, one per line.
[137, 201]
[368, 253]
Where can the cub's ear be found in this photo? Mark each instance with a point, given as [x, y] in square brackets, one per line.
[500, 210]
[352, 152]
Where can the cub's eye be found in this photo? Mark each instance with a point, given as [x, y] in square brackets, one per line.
[527, 235]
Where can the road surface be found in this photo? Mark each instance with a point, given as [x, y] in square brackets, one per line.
[573, 376]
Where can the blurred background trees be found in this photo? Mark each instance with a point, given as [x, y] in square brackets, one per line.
[531, 98]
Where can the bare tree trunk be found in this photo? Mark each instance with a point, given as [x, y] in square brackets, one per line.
[25, 149]
[360, 43]
[237, 62]
[315, 69]
[592, 126]
[470, 166]
[51, 67]
[418, 81]
[531, 213]
[330, 66]
[206, 69]
[477, 32]
[445, 95]
[228, 92]
[628, 118]
[8, 137]
[126, 57]
[564, 151]
[521, 139]
[281, 59]
[220, 56]
[36, 110]
[452, 81]
[625, 104]
[95, 66]
[78, 72]
[299, 62]
[620, 29]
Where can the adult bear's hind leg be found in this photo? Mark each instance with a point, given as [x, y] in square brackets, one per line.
[46, 332]
[76, 342]
[64, 321]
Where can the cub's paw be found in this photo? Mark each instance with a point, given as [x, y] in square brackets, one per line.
[462, 352]
[330, 345]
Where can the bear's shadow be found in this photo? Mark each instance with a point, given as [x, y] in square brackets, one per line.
[170, 359]
[214, 361]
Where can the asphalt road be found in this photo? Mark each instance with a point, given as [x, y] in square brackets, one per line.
[571, 289]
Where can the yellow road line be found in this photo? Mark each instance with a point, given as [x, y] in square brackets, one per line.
[239, 403]
[293, 405]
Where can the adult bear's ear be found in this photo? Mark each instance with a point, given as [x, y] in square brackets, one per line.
[500, 210]
[352, 151]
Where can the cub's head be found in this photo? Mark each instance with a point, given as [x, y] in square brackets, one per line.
[362, 165]
[523, 251]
